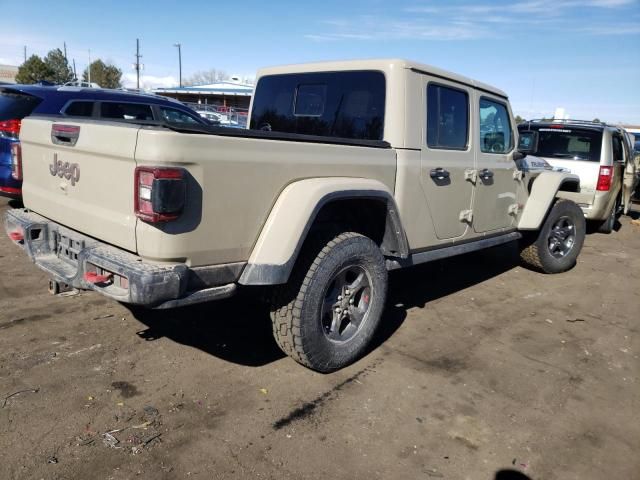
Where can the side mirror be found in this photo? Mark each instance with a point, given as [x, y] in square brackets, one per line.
[528, 141]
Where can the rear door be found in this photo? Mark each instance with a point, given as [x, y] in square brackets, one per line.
[80, 174]
[446, 156]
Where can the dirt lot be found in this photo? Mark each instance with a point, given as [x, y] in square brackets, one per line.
[482, 366]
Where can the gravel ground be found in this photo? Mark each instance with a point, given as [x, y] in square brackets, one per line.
[483, 370]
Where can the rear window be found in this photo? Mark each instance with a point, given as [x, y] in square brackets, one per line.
[329, 104]
[126, 111]
[79, 109]
[16, 106]
[567, 142]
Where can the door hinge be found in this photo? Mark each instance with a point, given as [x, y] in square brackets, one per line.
[471, 174]
[466, 216]
[518, 175]
[513, 209]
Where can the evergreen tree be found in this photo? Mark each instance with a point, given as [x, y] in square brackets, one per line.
[58, 64]
[105, 75]
[34, 70]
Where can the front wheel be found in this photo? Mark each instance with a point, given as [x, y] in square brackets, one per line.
[325, 317]
[559, 241]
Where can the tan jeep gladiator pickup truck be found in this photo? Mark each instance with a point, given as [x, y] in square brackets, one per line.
[347, 170]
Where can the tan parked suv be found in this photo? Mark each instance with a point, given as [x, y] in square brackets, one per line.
[348, 170]
[601, 155]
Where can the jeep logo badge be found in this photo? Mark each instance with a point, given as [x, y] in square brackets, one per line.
[70, 171]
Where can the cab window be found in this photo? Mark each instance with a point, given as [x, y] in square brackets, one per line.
[495, 127]
[447, 117]
[329, 104]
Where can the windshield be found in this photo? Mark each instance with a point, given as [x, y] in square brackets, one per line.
[567, 142]
[16, 106]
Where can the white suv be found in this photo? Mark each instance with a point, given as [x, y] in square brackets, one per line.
[600, 154]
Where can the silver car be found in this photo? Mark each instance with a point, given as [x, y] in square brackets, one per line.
[600, 154]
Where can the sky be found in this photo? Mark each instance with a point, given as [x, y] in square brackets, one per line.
[580, 55]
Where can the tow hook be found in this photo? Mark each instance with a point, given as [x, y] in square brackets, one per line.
[56, 288]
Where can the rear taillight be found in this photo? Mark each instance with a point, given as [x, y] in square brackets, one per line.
[159, 193]
[16, 161]
[604, 179]
[10, 128]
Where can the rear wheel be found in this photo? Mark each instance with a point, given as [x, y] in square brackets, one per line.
[327, 314]
[608, 225]
[556, 246]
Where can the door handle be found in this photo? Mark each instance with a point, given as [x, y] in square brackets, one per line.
[439, 173]
[486, 174]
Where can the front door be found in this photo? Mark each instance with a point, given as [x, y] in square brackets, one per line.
[447, 156]
[495, 205]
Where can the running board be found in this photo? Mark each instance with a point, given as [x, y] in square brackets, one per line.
[445, 252]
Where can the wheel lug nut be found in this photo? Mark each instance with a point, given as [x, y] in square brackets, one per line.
[344, 311]
[337, 309]
[351, 301]
[339, 297]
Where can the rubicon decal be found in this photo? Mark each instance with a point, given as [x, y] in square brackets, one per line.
[70, 171]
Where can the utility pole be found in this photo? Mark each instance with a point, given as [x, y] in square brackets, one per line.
[65, 51]
[25, 53]
[75, 75]
[137, 64]
[89, 68]
[179, 62]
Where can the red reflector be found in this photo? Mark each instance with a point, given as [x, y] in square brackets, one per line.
[16, 236]
[93, 277]
[16, 161]
[12, 127]
[58, 128]
[604, 179]
[11, 190]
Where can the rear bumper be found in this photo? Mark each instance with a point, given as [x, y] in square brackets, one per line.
[67, 256]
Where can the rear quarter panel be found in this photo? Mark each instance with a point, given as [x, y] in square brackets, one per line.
[233, 184]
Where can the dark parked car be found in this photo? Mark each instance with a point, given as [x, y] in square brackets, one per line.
[19, 101]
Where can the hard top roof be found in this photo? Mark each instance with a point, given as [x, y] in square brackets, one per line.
[379, 64]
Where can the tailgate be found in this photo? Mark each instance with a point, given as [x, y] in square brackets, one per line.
[80, 174]
[588, 171]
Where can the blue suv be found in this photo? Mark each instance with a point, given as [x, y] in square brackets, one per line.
[19, 101]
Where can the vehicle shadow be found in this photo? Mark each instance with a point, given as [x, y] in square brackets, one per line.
[238, 329]
[509, 474]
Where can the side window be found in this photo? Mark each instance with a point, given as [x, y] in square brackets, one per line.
[172, 115]
[126, 111]
[79, 109]
[617, 148]
[495, 128]
[447, 117]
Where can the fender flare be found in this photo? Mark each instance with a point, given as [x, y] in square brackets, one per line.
[285, 230]
[543, 192]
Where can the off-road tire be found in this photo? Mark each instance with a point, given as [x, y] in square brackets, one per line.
[297, 306]
[535, 251]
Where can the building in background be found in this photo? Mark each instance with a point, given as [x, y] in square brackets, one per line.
[8, 73]
[221, 94]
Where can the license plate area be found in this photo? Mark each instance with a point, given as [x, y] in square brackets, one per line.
[68, 248]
